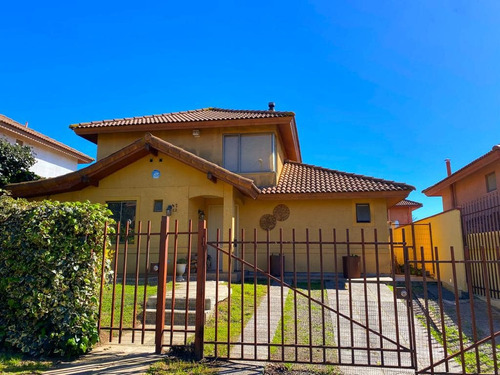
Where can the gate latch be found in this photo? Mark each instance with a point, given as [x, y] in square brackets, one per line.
[402, 293]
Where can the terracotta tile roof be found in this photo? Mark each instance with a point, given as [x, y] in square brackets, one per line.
[408, 203]
[298, 178]
[473, 166]
[14, 126]
[204, 114]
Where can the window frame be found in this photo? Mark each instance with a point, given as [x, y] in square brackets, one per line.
[239, 162]
[360, 220]
[490, 187]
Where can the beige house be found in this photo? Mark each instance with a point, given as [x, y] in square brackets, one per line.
[241, 169]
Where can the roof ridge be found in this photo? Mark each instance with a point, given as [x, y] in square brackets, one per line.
[251, 111]
[348, 173]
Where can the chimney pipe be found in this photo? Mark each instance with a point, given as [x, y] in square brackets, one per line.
[448, 166]
[271, 106]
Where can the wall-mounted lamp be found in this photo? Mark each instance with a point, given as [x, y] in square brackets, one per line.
[196, 133]
[169, 210]
[201, 215]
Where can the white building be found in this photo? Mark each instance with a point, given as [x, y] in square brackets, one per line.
[53, 158]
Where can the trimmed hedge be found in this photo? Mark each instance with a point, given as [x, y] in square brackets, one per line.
[50, 262]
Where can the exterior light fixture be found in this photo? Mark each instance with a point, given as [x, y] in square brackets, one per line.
[201, 215]
[196, 133]
[169, 210]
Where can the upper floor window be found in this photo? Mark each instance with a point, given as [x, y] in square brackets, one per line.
[249, 153]
[491, 182]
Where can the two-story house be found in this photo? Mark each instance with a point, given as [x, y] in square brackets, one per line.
[238, 168]
[53, 158]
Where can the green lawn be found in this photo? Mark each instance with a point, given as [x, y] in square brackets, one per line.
[181, 367]
[19, 364]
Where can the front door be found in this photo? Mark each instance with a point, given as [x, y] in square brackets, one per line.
[214, 222]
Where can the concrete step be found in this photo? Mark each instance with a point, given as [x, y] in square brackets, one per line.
[178, 317]
[180, 303]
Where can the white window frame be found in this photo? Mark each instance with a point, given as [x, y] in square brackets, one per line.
[243, 135]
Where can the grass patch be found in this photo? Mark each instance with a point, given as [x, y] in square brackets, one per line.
[235, 317]
[298, 369]
[19, 364]
[176, 366]
[303, 335]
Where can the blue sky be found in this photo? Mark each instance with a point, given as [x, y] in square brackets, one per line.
[382, 88]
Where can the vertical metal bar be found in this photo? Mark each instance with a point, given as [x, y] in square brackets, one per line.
[229, 309]
[217, 276]
[471, 304]
[432, 248]
[189, 244]
[441, 309]
[379, 297]
[350, 301]
[282, 270]
[308, 250]
[427, 312]
[146, 275]
[295, 294]
[394, 292]
[365, 289]
[497, 261]
[242, 291]
[162, 282]
[337, 302]
[414, 244]
[103, 266]
[268, 259]
[255, 292]
[137, 259]
[322, 282]
[457, 303]
[174, 279]
[115, 275]
[409, 309]
[489, 310]
[124, 281]
[201, 277]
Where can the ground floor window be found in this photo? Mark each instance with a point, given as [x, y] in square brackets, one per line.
[363, 213]
[123, 213]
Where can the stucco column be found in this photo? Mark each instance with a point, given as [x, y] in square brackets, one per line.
[228, 221]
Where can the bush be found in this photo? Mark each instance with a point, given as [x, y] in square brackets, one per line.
[50, 265]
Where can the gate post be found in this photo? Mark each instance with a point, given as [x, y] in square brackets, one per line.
[162, 282]
[201, 276]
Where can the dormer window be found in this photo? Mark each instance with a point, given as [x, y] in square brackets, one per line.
[249, 153]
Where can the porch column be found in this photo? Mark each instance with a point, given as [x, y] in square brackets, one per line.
[228, 220]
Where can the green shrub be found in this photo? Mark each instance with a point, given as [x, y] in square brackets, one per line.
[50, 265]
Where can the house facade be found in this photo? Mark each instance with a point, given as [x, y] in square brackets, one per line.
[239, 169]
[476, 180]
[53, 158]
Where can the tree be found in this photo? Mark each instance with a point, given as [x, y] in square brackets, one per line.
[15, 162]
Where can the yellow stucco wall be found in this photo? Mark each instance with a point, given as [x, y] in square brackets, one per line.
[446, 232]
[314, 215]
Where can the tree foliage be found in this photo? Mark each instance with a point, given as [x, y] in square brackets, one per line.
[50, 266]
[15, 162]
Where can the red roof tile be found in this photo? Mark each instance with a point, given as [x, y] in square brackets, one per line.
[204, 114]
[298, 178]
[408, 203]
[22, 130]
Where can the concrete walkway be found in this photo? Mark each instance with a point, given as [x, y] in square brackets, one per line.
[263, 326]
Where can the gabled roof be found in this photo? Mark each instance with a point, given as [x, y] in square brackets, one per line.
[481, 162]
[408, 203]
[199, 119]
[92, 174]
[37, 137]
[302, 179]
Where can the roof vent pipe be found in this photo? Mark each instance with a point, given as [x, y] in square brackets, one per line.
[448, 166]
[271, 106]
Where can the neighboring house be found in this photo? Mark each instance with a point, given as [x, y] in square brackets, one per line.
[240, 168]
[401, 212]
[53, 158]
[470, 183]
